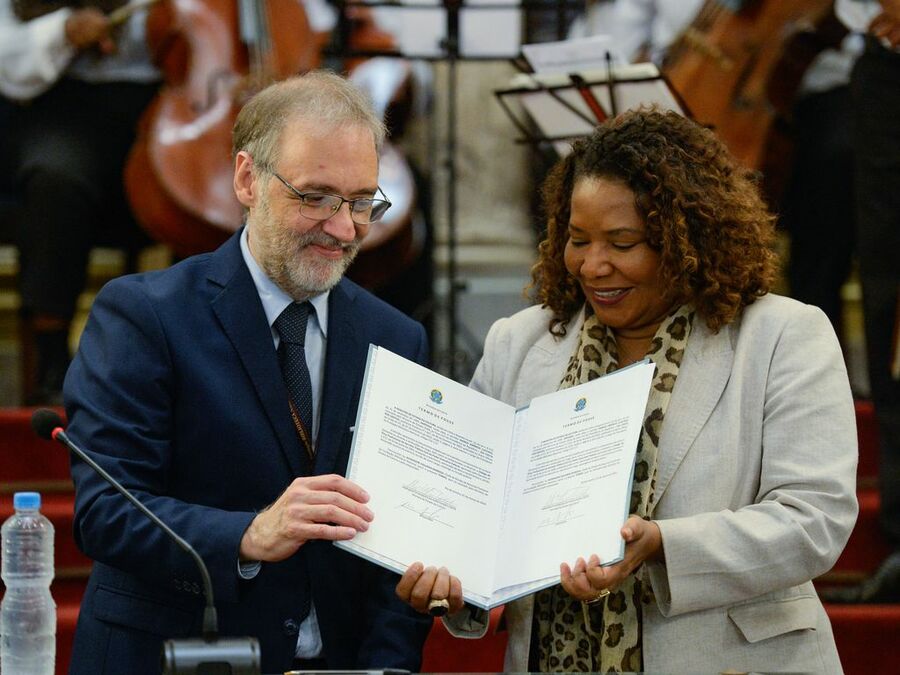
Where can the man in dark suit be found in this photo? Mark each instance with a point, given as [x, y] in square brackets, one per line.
[185, 388]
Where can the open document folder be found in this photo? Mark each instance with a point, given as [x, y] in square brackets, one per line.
[497, 495]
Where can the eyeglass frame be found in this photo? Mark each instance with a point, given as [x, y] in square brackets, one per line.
[303, 195]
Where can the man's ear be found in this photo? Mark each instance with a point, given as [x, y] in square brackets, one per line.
[245, 184]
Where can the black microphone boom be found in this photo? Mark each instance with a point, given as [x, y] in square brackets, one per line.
[241, 654]
[48, 425]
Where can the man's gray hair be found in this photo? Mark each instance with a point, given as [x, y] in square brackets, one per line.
[318, 97]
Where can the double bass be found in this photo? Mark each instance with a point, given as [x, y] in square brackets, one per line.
[213, 54]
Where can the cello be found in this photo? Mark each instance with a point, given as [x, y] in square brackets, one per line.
[214, 54]
[722, 64]
[179, 174]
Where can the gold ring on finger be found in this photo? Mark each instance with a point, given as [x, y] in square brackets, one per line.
[602, 593]
[438, 607]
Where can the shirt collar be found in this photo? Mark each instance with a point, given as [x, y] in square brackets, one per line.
[273, 298]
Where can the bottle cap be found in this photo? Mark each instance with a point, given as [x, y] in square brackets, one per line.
[27, 500]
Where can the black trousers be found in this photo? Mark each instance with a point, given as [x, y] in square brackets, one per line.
[818, 205]
[65, 152]
[875, 87]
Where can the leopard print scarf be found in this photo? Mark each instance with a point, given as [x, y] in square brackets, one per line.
[606, 636]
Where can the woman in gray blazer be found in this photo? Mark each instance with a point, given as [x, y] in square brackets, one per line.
[659, 246]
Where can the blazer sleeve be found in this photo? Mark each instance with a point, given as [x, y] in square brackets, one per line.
[470, 622]
[805, 505]
[119, 403]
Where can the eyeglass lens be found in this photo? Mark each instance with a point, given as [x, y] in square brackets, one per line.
[362, 211]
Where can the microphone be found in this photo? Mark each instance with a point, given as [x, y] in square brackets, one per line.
[209, 655]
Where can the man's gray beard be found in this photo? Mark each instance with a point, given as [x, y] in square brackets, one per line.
[299, 272]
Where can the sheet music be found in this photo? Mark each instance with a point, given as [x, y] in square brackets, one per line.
[572, 56]
[560, 112]
[482, 32]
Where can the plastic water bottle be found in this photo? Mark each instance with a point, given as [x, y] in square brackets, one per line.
[28, 613]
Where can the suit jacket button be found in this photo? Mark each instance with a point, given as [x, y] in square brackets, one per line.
[291, 627]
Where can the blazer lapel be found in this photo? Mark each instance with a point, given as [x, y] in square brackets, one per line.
[342, 377]
[546, 363]
[701, 380]
[244, 322]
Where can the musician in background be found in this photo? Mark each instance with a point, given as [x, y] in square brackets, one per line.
[875, 101]
[642, 29]
[82, 83]
[818, 207]
[82, 77]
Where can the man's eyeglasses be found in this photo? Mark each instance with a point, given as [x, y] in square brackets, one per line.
[322, 206]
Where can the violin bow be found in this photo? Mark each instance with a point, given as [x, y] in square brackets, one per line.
[122, 14]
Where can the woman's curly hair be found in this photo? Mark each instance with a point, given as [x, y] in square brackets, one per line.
[703, 214]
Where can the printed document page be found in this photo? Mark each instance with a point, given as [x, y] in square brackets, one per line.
[570, 477]
[432, 454]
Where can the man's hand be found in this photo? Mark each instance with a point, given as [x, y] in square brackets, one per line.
[419, 585]
[89, 27]
[317, 507]
[587, 580]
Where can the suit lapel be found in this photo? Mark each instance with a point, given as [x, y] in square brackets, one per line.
[701, 380]
[244, 322]
[341, 385]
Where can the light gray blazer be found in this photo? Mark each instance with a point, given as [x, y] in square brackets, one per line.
[755, 491]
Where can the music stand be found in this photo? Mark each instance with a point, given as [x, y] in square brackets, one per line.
[452, 47]
[566, 106]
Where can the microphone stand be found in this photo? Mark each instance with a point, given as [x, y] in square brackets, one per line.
[209, 655]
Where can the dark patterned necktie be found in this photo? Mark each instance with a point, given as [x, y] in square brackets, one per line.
[291, 327]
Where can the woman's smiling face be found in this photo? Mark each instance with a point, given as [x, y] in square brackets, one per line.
[608, 253]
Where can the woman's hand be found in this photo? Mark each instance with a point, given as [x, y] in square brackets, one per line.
[589, 581]
[419, 585]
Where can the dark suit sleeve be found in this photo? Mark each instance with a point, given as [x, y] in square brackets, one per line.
[395, 633]
[422, 353]
[119, 401]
